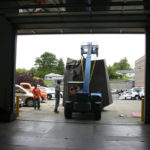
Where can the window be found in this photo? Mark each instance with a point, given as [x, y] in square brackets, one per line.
[17, 89]
[26, 86]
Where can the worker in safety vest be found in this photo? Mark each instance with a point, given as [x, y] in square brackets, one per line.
[36, 96]
[38, 10]
[41, 1]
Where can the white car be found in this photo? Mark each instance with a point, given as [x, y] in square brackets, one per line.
[114, 91]
[50, 92]
[142, 93]
[52, 89]
[136, 92]
[21, 103]
[125, 95]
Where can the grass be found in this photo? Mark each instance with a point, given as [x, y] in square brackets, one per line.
[48, 83]
[116, 80]
[52, 84]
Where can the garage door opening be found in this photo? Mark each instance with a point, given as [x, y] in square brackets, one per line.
[117, 50]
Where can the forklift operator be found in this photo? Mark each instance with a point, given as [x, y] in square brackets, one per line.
[72, 91]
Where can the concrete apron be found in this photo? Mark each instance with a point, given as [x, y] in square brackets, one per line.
[120, 112]
[43, 130]
[73, 135]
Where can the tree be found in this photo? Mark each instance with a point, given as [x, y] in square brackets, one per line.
[32, 70]
[19, 70]
[111, 72]
[60, 66]
[122, 65]
[45, 64]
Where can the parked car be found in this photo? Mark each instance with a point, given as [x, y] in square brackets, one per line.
[136, 92]
[26, 96]
[28, 87]
[52, 92]
[125, 95]
[142, 93]
[119, 92]
[21, 103]
[48, 92]
[114, 91]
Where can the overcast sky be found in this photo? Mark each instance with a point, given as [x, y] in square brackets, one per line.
[112, 47]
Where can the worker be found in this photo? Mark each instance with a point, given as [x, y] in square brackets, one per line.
[41, 1]
[76, 88]
[72, 91]
[57, 96]
[36, 96]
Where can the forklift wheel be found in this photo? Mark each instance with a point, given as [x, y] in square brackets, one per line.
[98, 115]
[67, 112]
[98, 112]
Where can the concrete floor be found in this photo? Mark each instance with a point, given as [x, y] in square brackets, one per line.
[110, 115]
[44, 130]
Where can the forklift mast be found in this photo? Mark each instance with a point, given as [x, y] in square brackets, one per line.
[88, 49]
[84, 100]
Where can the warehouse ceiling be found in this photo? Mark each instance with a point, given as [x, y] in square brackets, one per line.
[76, 16]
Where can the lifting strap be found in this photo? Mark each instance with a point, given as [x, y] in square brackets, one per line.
[93, 68]
[82, 67]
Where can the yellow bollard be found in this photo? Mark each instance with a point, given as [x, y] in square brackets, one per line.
[142, 109]
[17, 106]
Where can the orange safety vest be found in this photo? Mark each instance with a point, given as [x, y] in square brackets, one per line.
[41, 1]
[36, 93]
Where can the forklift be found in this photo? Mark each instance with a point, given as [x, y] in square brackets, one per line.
[83, 100]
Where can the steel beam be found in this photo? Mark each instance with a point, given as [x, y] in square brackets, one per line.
[7, 65]
[81, 4]
[147, 77]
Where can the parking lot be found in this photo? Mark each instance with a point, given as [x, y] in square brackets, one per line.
[119, 112]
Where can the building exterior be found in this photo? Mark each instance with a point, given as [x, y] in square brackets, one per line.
[53, 77]
[140, 72]
[122, 85]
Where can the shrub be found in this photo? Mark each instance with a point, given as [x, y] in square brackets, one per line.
[28, 77]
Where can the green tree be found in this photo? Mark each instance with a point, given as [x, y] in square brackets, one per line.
[122, 65]
[22, 70]
[32, 70]
[111, 72]
[45, 64]
[60, 67]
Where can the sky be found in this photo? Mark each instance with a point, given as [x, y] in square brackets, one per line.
[112, 47]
